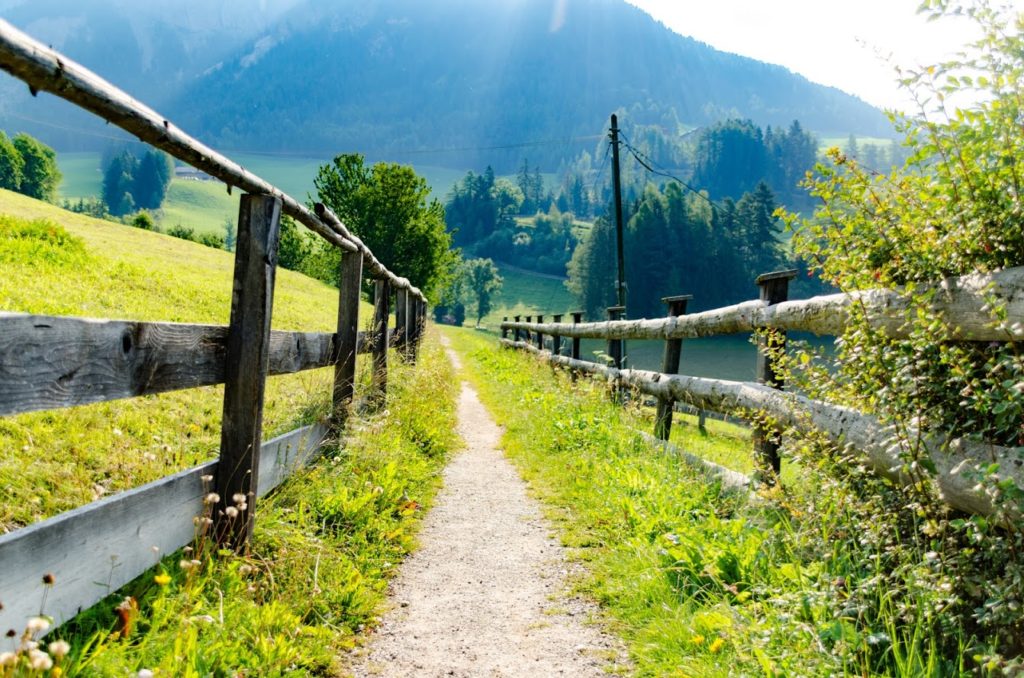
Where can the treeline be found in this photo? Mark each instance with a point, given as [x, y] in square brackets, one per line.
[28, 166]
[679, 242]
[132, 183]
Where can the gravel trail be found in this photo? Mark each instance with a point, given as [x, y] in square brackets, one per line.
[486, 593]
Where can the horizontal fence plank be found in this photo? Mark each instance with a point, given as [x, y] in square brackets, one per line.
[49, 362]
[959, 463]
[48, 70]
[963, 302]
[93, 550]
[731, 480]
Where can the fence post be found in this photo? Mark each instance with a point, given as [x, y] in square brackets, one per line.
[670, 365]
[421, 326]
[528, 336]
[556, 339]
[615, 345]
[504, 330]
[540, 337]
[346, 346]
[402, 337]
[517, 333]
[245, 366]
[381, 303]
[774, 290]
[577, 316]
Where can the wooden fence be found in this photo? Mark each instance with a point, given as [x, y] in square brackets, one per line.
[962, 302]
[53, 362]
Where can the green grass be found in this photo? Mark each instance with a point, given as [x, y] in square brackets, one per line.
[200, 205]
[326, 542]
[107, 270]
[525, 293]
[697, 581]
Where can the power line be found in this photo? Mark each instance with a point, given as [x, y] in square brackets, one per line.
[662, 173]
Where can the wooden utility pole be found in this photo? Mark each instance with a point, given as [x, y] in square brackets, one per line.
[620, 281]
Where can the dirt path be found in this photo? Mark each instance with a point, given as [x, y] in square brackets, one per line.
[486, 593]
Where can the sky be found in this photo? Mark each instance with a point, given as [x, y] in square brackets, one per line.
[850, 45]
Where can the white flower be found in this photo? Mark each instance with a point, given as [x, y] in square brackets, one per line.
[37, 625]
[59, 648]
[145, 673]
[211, 498]
[238, 498]
[231, 512]
[8, 659]
[39, 660]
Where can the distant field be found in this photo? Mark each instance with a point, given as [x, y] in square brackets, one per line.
[526, 293]
[824, 143]
[204, 205]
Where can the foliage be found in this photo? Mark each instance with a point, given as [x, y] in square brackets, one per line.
[698, 580]
[143, 220]
[294, 245]
[325, 545]
[952, 210]
[482, 281]
[12, 165]
[131, 183]
[92, 268]
[725, 246]
[230, 234]
[40, 175]
[480, 206]
[183, 232]
[531, 185]
[94, 207]
[387, 207]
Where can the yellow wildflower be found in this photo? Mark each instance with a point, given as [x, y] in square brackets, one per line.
[163, 579]
[697, 640]
[716, 645]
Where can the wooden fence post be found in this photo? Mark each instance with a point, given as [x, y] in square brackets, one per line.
[774, 290]
[245, 367]
[528, 336]
[577, 316]
[420, 326]
[615, 345]
[402, 334]
[540, 337]
[670, 365]
[346, 345]
[381, 310]
[556, 339]
[504, 330]
[517, 333]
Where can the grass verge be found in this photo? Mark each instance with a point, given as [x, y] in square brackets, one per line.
[326, 544]
[700, 582]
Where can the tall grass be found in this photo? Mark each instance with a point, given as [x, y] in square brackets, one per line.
[699, 581]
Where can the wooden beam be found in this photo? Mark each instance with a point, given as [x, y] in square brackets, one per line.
[958, 462]
[49, 362]
[45, 69]
[93, 550]
[963, 303]
[670, 365]
[401, 322]
[351, 277]
[246, 364]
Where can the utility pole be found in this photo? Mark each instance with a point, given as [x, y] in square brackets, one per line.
[620, 282]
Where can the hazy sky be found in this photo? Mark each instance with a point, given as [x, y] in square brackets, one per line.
[830, 42]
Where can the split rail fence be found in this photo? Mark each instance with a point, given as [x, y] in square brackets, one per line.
[55, 362]
[962, 302]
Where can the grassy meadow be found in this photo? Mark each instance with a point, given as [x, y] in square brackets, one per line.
[276, 609]
[699, 581]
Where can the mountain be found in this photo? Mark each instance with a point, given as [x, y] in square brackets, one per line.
[451, 82]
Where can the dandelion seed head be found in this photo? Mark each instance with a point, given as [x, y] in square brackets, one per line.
[211, 498]
[8, 659]
[145, 673]
[206, 478]
[245, 569]
[185, 564]
[37, 625]
[59, 648]
[195, 563]
[39, 660]
[231, 512]
[238, 498]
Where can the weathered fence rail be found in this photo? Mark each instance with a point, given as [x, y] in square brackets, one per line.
[51, 362]
[959, 463]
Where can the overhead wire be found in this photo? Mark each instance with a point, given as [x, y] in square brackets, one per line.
[647, 165]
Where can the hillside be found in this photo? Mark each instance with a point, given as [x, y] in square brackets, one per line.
[450, 83]
[81, 266]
